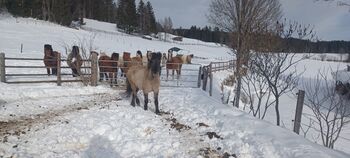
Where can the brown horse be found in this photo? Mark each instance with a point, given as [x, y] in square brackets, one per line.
[109, 65]
[50, 59]
[145, 78]
[175, 63]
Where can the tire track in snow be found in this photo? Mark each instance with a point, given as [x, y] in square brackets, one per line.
[23, 125]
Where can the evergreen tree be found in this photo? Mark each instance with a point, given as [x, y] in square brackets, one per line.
[126, 16]
[142, 17]
[152, 26]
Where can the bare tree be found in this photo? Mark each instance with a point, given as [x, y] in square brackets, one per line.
[243, 18]
[167, 25]
[256, 89]
[330, 109]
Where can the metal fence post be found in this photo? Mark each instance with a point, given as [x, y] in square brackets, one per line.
[211, 80]
[199, 76]
[205, 78]
[93, 69]
[59, 78]
[299, 111]
[2, 68]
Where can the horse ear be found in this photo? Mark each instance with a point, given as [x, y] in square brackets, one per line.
[191, 55]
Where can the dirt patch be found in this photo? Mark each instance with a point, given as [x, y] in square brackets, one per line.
[211, 135]
[210, 153]
[202, 124]
[176, 125]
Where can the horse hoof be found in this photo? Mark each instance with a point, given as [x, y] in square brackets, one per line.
[145, 109]
[158, 112]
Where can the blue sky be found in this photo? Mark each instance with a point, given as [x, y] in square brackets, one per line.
[330, 21]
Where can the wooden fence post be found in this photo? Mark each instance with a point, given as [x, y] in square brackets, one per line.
[299, 110]
[199, 77]
[211, 79]
[2, 68]
[59, 78]
[93, 69]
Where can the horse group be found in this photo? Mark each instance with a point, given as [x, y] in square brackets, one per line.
[74, 60]
[142, 72]
[109, 66]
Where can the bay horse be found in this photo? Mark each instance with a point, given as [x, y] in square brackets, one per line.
[175, 63]
[145, 78]
[50, 60]
[109, 67]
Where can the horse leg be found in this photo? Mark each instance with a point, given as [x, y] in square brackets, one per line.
[54, 71]
[137, 98]
[173, 73]
[101, 75]
[110, 75]
[167, 74]
[156, 102]
[133, 99]
[48, 71]
[146, 101]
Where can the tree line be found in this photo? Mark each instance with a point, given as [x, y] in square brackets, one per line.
[124, 13]
[209, 34]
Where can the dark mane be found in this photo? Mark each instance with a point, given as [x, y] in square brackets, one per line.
[154, 63]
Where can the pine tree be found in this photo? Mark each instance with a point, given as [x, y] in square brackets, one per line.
[142, 17]
[152, 26]
[126, 15]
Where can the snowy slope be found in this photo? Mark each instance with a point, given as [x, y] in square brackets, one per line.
[43, 120]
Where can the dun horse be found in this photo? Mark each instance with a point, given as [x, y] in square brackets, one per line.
[50, 59]
[109, 65]
[145, 78]
[175, 63]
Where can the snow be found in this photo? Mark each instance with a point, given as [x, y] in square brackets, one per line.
[72, 120]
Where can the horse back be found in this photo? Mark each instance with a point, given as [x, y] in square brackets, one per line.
[174, 63]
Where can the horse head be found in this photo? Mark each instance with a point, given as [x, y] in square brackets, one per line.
[48, 50]
[139, 54]
[154, 63]
[115, 56]
[189, 58]
[75, 51]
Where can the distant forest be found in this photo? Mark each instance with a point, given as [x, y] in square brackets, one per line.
[209, 34]
[140, 19]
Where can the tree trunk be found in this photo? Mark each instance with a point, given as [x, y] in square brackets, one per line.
[277, 111]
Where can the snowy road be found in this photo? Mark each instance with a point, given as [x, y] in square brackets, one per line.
[190, 125]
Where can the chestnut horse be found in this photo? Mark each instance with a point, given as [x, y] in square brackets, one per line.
[145, 78]
[175, 63]
[50, 60]
[109, 65]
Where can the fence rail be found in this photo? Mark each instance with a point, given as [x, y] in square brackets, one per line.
[4, 74]
[190, 76]
[207, 72]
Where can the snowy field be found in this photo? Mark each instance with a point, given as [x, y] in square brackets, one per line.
[44, 120]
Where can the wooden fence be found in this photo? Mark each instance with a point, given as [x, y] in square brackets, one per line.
[207, 72]
[89, 76]
[190, 76]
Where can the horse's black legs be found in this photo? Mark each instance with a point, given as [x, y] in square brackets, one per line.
[48, 71]
[133, 100]
[146, 100]
[101, 76]
[137, 98]
[156, 102]
[167, 74]
[54, 71]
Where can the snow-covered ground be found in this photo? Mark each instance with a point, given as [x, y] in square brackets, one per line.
[44, 120]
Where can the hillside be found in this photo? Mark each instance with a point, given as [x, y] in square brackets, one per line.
[44, 120]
